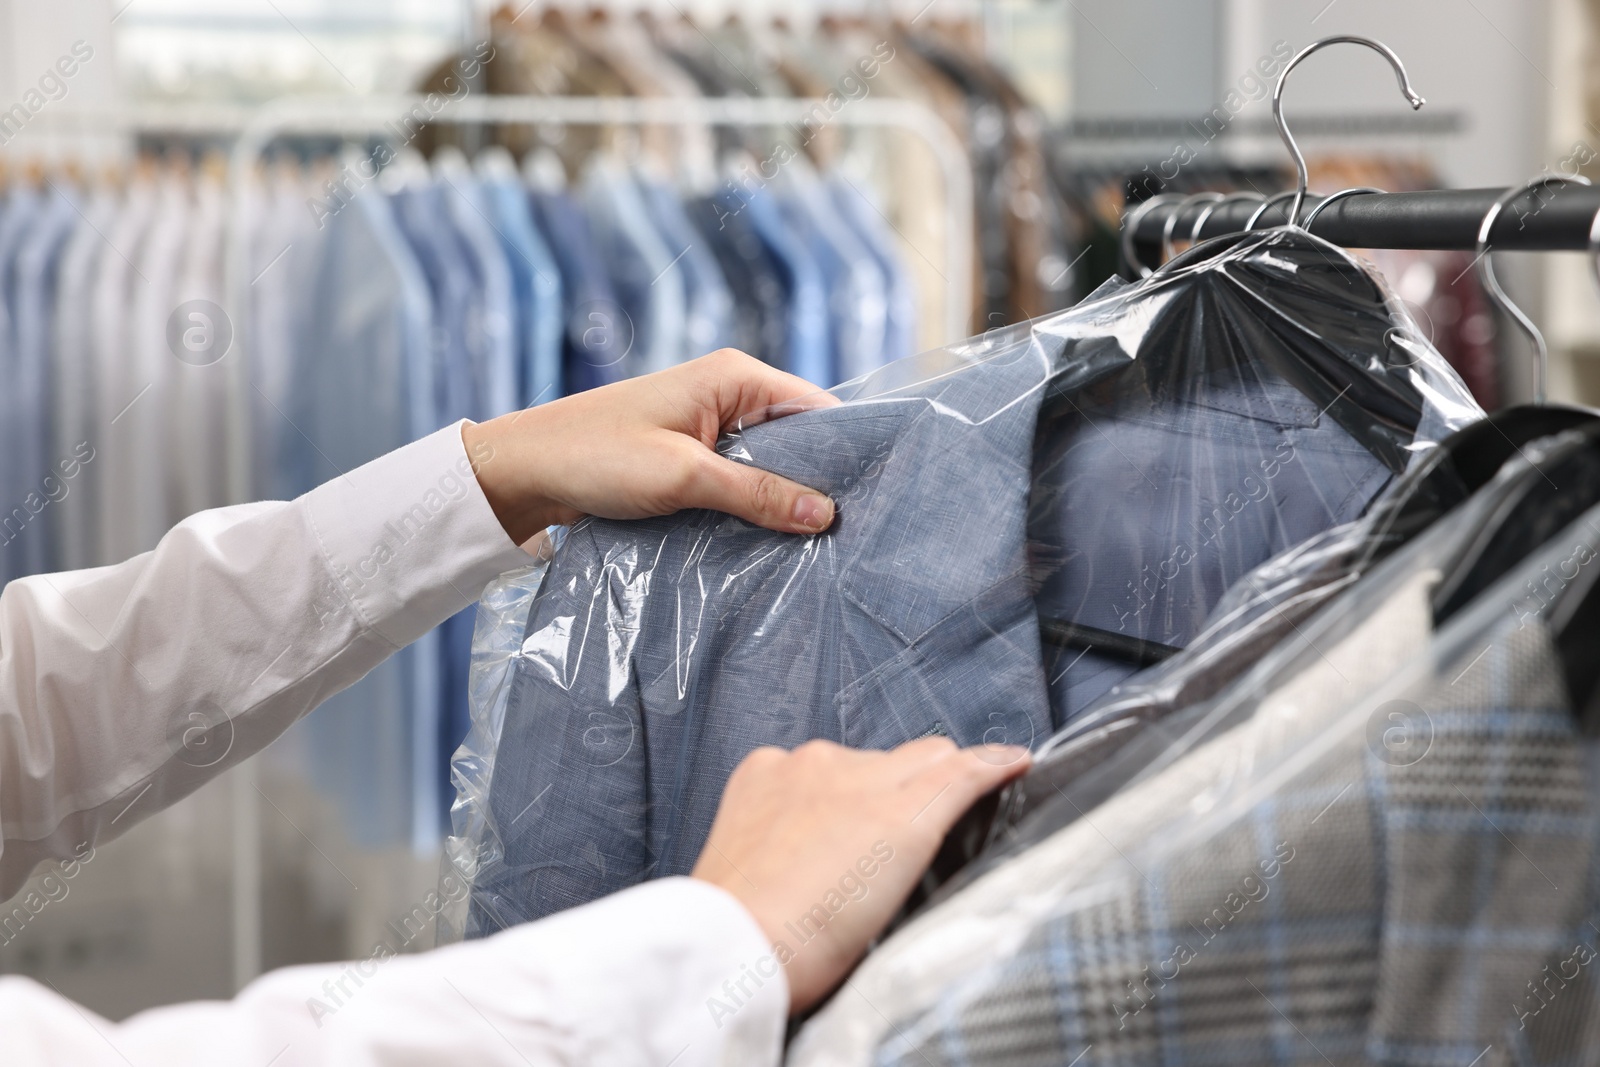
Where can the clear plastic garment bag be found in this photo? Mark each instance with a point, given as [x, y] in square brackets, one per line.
[1026, 519]
[1383, 832]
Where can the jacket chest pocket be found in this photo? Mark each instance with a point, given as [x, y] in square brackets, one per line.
[975, 678]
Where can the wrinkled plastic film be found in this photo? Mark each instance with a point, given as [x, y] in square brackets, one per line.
[1150, 718]
[502, 616]
[1026, 520]
[1081, 764]
[1363, 742]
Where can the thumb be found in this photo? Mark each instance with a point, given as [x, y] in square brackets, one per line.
[759, 496]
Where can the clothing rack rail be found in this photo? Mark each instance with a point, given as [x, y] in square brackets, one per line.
[1547, 218]
[253, 129]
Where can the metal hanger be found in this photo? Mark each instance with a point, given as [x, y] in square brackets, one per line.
[1167, 249]
[1470, 458]
[1559, 485]
[1485, 263]
[1302, 175]
[1205, 213]
[1340, 195]
[1594, 249]
[1574, 618]
[1130, 225]
[1266, 205]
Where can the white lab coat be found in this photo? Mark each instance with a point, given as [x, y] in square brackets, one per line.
[125, 688]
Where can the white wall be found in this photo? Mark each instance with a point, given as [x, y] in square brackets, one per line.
[1485, 60]
[1503, 66]
[1142, 58]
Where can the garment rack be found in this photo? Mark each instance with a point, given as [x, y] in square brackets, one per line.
[253, 129]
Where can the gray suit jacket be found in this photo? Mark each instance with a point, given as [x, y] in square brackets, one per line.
[1155, 427]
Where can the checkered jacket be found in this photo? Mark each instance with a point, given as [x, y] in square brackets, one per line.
[1435, 907]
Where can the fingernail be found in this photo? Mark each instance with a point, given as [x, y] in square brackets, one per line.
[812, 511]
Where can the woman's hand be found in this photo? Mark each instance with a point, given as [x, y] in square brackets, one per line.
[823, 844]
[643, 447]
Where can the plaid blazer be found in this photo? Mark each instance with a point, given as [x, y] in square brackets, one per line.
[1428, 902]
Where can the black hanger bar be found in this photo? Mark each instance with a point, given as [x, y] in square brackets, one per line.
[1203, 129]
[1551, 218]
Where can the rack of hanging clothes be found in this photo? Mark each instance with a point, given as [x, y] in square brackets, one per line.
[1302, 639]
[429, 290]
[919, 55]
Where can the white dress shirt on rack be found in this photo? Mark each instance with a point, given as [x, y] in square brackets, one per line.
[112, 683]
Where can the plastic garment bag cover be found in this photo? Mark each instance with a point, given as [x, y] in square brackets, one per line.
[1074, 770]
[1025, 519]
[1383, 834]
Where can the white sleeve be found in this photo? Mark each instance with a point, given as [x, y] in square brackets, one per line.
[125, 688]
[674, 972]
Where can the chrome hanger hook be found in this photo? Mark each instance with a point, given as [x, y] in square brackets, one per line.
[1167, 248]
[1360, 190]
[1594, 249]
[1266, 205]
[1486, 270]
[1130, 224]
[1206, 212]
[1302, 175]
